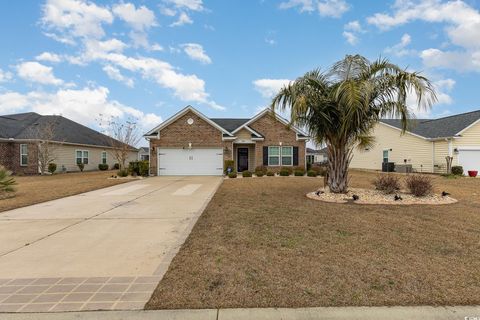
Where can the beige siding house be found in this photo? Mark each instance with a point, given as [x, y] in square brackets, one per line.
[72, 143]
[425, 145]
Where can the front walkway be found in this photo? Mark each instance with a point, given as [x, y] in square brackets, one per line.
[102, 250]
[348, 313]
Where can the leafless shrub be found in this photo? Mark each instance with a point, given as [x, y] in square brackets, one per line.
[419, 185]
[387, 183]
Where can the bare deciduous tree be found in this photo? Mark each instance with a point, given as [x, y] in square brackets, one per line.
[44, 134]
[123, 136]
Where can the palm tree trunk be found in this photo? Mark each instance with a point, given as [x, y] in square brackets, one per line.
[338, 162]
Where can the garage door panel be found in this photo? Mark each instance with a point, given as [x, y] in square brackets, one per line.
[183, 162]
[469, 159]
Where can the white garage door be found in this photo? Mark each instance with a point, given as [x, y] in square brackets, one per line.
[469, 160]
[193, 162]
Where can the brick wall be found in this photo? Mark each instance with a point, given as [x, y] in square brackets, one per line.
[179, 134]
[275, 132]
[10, 158]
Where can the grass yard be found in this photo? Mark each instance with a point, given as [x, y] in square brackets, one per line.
[261, 243]
[36, 189]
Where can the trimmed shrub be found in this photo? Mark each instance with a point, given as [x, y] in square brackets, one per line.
[270, 173]
[388, 183]
[419, 185]
[309, 166]
[285, 172]
[246, 174]
[122, 173]
[232, 174]
[259, 174]
[116, 166]
[103, 166]
[228, 164]
[457, 170]
[299, 171]
[139, 168]
[261, 169]
[311, 173]
[81, 166]
[6, 180]
[52, 167]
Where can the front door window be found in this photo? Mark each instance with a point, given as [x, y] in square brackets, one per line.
[242, 159]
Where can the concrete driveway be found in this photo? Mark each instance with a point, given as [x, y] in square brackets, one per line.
[105, 249]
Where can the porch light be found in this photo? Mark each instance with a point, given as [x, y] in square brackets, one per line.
[280, 143]
[226, 149]
[189, 145]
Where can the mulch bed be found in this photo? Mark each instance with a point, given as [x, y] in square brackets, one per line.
[372, 196]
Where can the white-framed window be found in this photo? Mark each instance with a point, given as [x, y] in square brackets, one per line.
[287, 156]
[81, 156]
[273, 156]
[385, 155]
[104, 157]
[280, 156]
[24, 155]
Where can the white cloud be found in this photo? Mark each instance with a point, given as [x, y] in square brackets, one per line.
[462, 24]
[350, 37]
[139, 19]
[270, 87]
[5, 76]
[183, 19]
[195, 52]
[443, 87]
[35, 72]
[12, 102]
[83, 105]
[400, 49]
[75, 18]
[169, 12]
[115, 74]
[49, 57]
[194, 5]
[325, 8]
[354, 26]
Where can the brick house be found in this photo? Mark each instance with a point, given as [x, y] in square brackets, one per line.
[20, 135]
[189, 143]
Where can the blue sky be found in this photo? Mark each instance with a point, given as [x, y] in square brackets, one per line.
[148, 59]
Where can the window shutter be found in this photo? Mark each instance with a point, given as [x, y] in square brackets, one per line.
[295, 156]
[265, 156]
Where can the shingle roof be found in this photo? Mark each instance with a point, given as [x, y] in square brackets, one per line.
[438, 128]
[29, 126]
[320, 151]
[229, 124]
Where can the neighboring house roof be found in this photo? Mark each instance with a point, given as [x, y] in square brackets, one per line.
[320, 151]
[229, 126]
[445, 127]
[144, 149]
[29, 126]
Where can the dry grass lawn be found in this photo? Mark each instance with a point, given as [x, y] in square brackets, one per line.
[36, 189]
[261, 243]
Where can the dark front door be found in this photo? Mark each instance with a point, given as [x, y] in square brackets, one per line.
[242, 159]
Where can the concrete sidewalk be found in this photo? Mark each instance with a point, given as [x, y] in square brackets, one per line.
[331, 313]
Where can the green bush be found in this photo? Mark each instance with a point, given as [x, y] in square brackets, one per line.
[419, 185]
[457, 170]
[6, 180]
[309, 166]
[228, 164]
[232, 174]
[299, 171]
[311, 173]
[52, 167]
[116, 166]
[270, 173]
[122, 173]
[139, 168]
[246, 174]
[81, 166]
[103, 166]
[261, 169]
[259, 174]
[285, 172]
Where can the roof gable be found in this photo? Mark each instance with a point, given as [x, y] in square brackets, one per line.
[445, 127]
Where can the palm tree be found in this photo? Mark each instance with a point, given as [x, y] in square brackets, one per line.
[339, 108]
